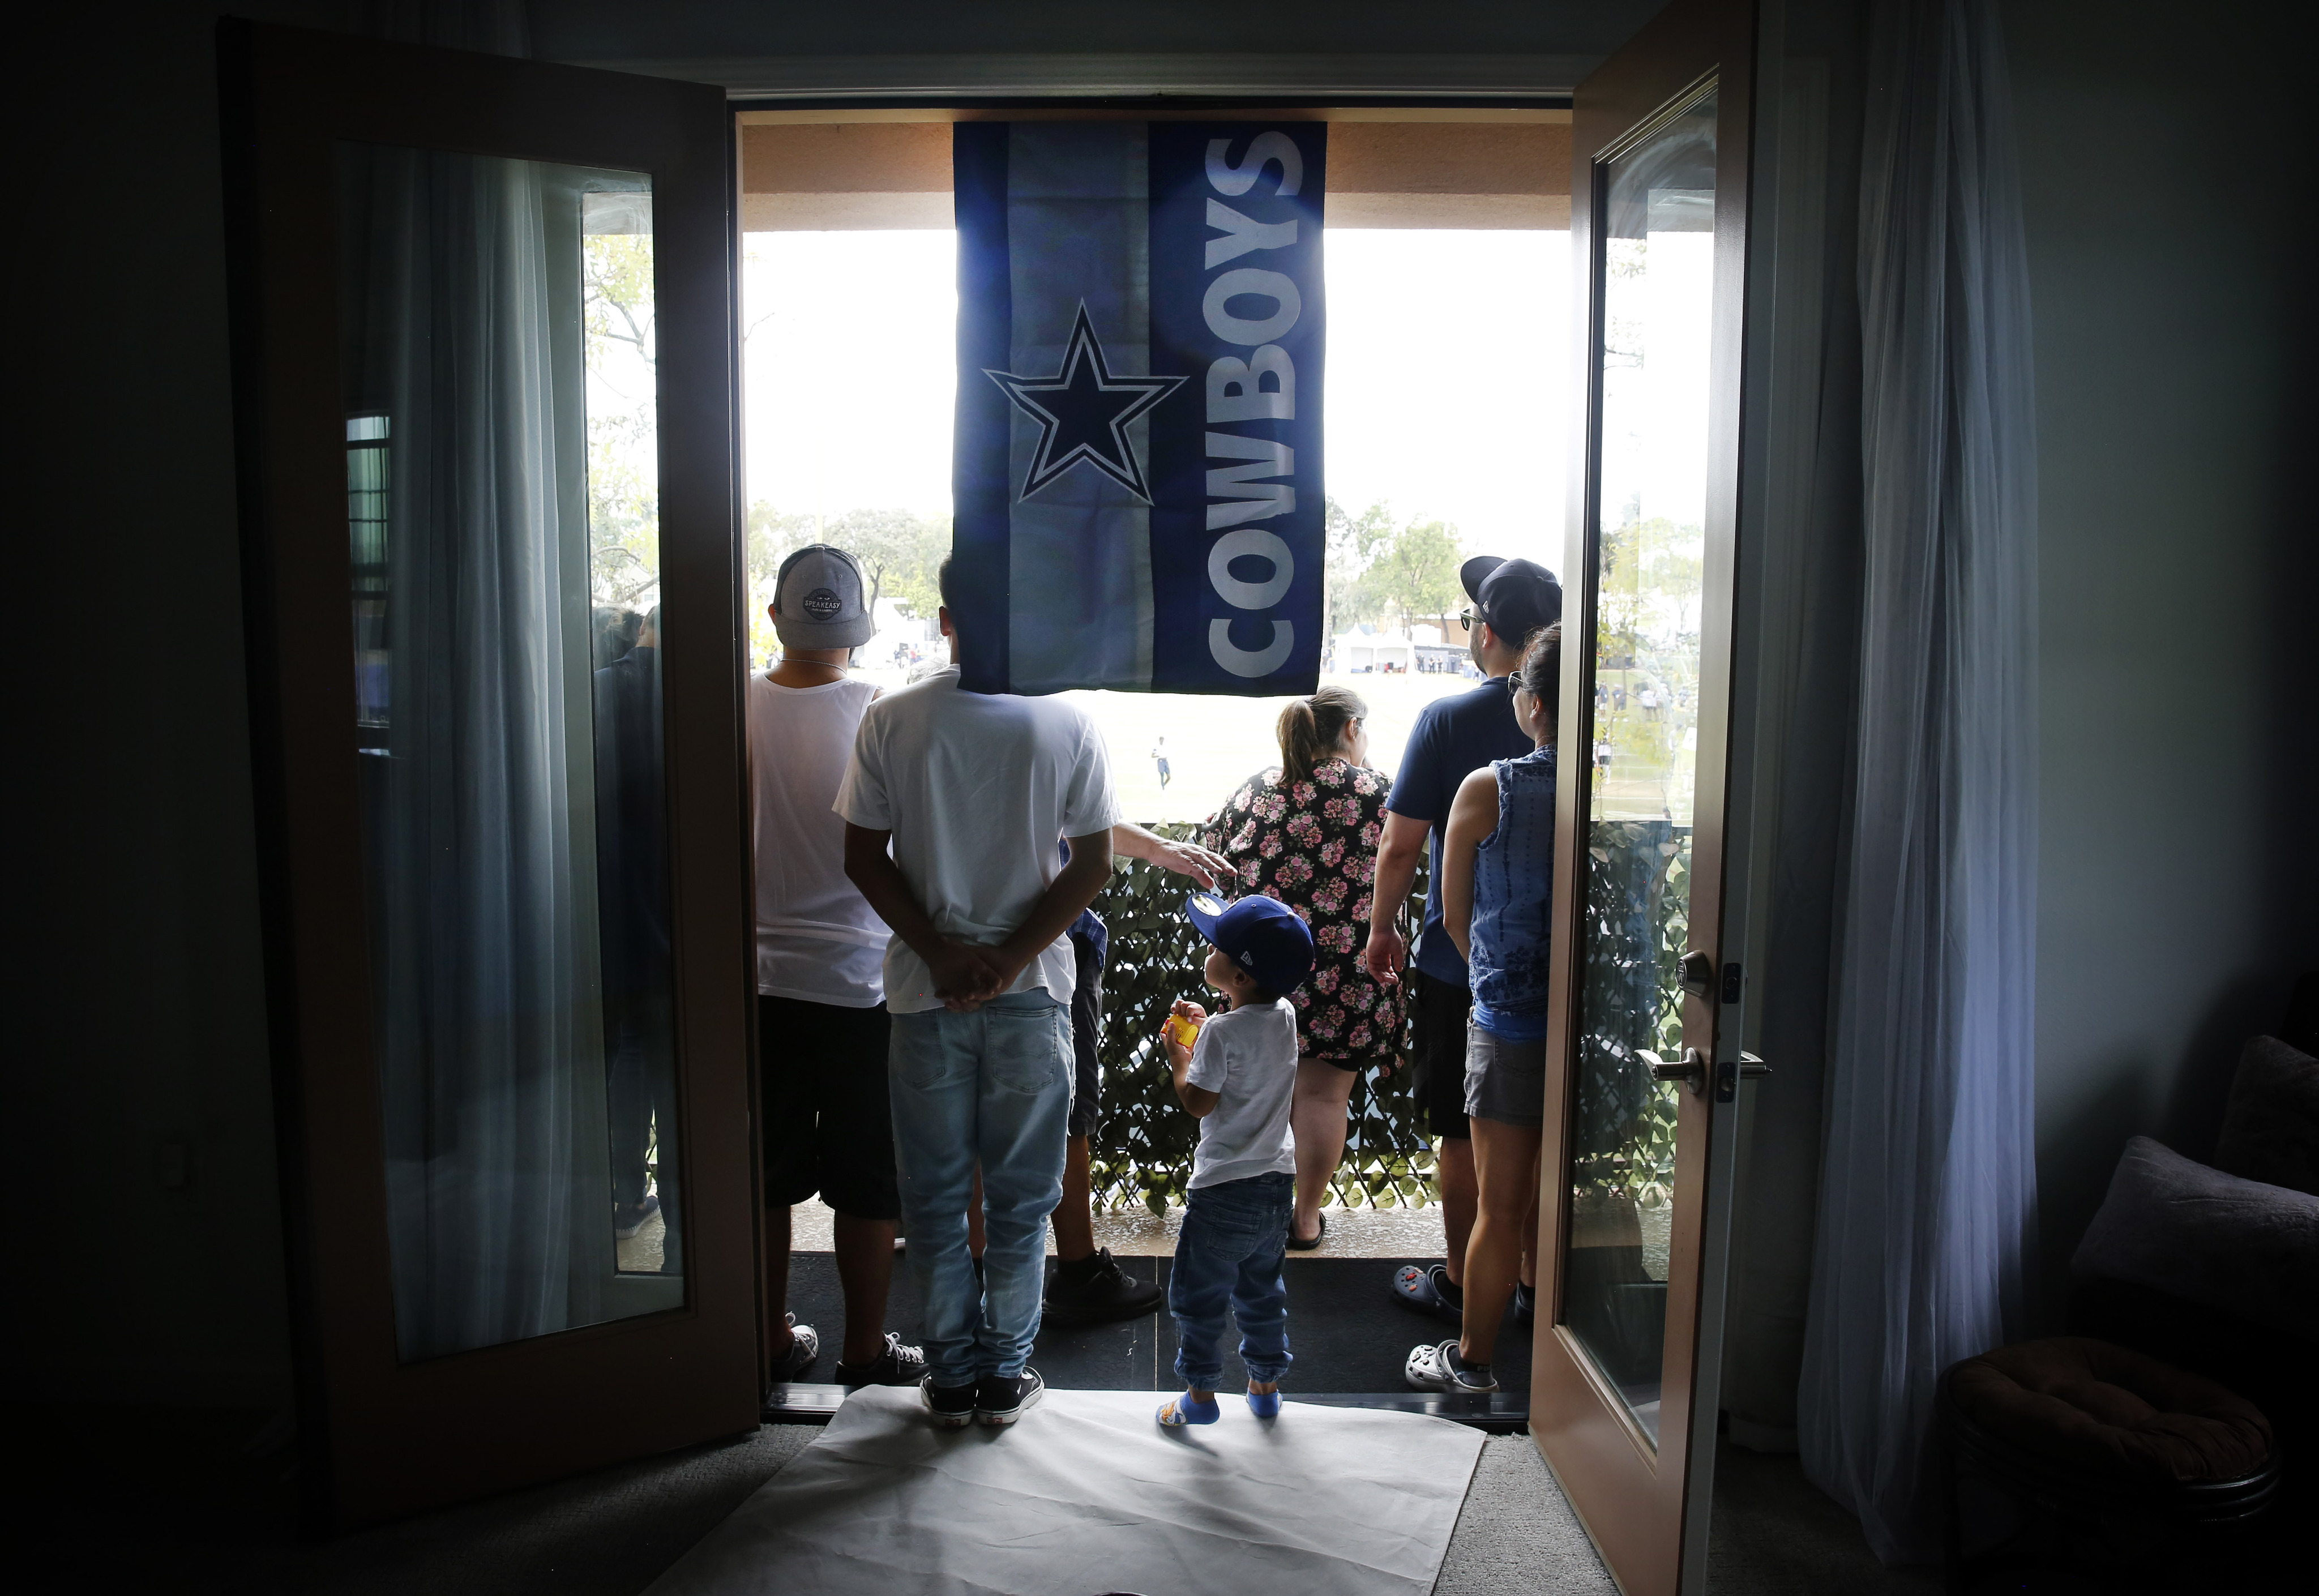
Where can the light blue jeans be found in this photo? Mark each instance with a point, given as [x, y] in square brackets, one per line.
[1230, 1254]
[994, 1085]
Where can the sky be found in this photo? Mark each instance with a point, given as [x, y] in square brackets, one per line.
[1445, 396]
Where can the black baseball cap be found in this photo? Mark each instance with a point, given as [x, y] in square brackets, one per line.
[1515, 597]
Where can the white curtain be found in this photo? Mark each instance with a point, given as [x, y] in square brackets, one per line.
[482, 889]
[1928, 1191]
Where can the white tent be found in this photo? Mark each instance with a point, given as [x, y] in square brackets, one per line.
[1371, 651]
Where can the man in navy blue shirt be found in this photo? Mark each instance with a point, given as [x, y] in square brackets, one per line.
[1453, 738]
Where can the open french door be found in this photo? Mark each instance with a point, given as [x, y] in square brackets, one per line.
[1623, 1402]
[484, 391]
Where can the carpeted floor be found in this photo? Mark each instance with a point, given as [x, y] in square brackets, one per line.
[1776, 1533]
[110, 1499]
[156, 1517]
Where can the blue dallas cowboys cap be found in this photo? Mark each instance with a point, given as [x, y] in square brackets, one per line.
[1260, 934]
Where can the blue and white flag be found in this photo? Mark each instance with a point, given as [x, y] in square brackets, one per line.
[1137, 462]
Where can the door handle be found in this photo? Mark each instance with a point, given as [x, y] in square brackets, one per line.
[1728, 1075]
[1692, 1072]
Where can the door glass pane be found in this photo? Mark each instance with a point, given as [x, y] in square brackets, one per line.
[496, 333]
[1657, 277]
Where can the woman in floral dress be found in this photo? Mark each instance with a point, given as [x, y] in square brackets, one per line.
[1307, 834]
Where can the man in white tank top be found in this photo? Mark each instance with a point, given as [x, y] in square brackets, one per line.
[821, 1028]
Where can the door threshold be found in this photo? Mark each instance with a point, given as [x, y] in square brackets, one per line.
[1501, 1412]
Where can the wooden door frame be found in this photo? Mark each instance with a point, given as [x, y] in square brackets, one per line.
[1632, 1496]
[380, 1438]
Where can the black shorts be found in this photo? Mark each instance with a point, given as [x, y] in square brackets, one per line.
[1086, 1037]
[1438, 1010]
[829, 1121]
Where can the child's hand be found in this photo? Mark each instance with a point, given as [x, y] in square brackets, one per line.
[1184, 1020]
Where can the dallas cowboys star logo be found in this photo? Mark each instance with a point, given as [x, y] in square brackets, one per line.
[1083, 413]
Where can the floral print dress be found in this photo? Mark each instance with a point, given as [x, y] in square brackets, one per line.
[1313, 845]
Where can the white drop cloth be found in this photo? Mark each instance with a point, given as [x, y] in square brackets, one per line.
[1087, 1495]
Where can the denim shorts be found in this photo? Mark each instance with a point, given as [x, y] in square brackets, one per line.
[1505, 1081]
[1438, 1012]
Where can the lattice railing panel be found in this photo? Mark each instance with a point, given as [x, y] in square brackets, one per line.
[1142, 1154]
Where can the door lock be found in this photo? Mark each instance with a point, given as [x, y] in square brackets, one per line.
[1696, 972]
[1692, 1072]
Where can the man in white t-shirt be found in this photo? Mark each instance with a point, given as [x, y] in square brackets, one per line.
[821, 1028]
[953, 805]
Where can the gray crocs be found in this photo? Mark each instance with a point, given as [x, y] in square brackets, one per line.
[1416, 1286]
[1439, 1368]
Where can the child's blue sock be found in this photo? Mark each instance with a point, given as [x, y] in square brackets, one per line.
[1182, 1410]
[1264, 1404]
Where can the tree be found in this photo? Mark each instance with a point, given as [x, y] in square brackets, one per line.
[769, 538]
[623, 448]
[1353, 543]
[1675, 567]
[901, 554]
[1416, 573]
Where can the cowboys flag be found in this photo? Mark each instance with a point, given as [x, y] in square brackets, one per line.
[1138, 458]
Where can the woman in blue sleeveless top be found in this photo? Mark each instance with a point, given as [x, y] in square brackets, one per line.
[1497, 904]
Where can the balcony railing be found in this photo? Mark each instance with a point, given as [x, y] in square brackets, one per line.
[1141, 1154]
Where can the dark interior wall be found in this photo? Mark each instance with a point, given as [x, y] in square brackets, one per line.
[619, 31]
[2173, 282]
[137, 1049]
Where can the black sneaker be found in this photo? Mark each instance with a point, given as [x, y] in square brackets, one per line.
[953, 1406]
[1525, 1303]
[1095, 1290]
[894, 1365]
[627, 1220]
[805, 1346]
[1000, 1399]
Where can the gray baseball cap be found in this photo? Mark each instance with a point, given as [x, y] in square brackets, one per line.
[819, 600]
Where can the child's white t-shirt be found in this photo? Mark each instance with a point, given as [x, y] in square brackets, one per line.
[1248, 1057]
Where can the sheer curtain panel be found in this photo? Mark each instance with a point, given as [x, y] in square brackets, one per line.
[514, 842]
[1929, 1193]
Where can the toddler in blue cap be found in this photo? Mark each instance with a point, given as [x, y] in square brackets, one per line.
[1236, 1074]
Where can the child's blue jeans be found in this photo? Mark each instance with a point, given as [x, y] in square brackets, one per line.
[1230, 1251]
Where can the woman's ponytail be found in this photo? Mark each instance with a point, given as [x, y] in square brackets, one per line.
[1313, 729]
[1540, 674]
